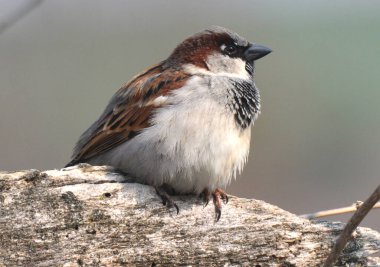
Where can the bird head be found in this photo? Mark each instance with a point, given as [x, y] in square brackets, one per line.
[217, 51]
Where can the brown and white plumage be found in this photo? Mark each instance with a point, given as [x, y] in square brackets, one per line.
[185, 122]
[128, 112]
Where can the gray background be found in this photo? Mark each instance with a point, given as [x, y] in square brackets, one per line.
[317, 143]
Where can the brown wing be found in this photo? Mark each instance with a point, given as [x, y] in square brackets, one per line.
[128, 112]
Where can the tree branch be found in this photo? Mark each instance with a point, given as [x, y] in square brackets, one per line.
[325, 213]
[91, 216]
[351, 226]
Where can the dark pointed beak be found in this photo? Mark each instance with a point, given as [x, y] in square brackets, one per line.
[256, 51]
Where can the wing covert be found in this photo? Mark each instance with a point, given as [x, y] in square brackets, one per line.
[128, 112]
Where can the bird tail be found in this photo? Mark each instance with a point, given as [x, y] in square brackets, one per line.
[71, 163]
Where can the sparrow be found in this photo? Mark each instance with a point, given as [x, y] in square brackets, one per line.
[182, 126]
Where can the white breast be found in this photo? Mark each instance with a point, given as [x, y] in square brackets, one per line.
[194, 142]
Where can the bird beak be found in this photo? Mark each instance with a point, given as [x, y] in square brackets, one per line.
[256, 51]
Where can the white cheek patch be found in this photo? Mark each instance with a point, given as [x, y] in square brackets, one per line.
[219, 64]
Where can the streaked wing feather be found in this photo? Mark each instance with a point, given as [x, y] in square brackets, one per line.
[128, 112]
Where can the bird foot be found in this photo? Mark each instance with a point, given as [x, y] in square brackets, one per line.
[166, 199]
[218, 197]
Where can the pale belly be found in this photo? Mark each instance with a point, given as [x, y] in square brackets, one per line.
[188, 147]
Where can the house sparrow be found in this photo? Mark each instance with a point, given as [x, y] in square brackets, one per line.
[185, 123]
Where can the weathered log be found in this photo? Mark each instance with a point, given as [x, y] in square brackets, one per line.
[92, 216]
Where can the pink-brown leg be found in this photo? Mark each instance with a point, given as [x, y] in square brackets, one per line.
[223, 195]
[205, 195]
[218, 197]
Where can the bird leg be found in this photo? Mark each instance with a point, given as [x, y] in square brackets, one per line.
[218, 197]
[205, 196]
[162, 192]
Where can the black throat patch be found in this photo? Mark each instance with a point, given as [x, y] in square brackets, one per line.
[244, 102]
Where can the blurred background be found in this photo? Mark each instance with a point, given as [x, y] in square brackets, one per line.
[316, 144]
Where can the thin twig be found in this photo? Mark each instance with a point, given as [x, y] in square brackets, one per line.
[18, 14]
[351, 226]
[325, 213]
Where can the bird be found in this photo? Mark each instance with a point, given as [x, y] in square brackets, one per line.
[183, 125]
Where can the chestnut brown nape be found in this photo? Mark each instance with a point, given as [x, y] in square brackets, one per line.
[197, 47]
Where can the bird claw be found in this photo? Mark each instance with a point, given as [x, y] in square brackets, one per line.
[218, 214]
[205, 195]
[218, 197]
[224, 197]
[166, 199]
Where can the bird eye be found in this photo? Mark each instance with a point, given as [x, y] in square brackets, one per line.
[230, 49]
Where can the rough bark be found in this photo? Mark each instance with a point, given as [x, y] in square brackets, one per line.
[91, 216]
